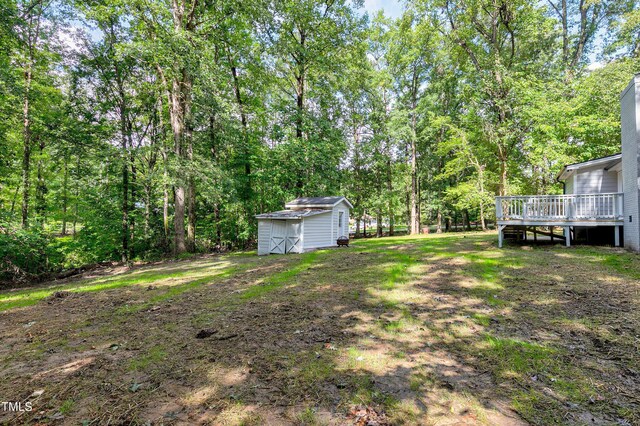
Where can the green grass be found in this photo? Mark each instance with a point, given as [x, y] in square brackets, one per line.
[66, 406]
[154, 355]
[27, 297]
[177, 290]
[280, 279]
[417, 303]
[515, 356]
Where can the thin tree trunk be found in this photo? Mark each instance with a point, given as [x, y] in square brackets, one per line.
[177, 125]
[191, 190]
[125, 183]
[247, 191]
[65, 194]
[26, 144]
[390, 195]
[77, 196]
[134, 195]
[364, 224]
[165, 177]
[414, 215]
[481, 178]
[41, 187]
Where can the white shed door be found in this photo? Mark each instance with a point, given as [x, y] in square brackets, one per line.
[293, 243]
[278, 236]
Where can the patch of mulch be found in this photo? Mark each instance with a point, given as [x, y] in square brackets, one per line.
[362, 415]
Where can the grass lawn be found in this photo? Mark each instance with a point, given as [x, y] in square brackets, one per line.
[435, 329]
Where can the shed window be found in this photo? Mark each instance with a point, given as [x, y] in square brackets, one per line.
[340, 220]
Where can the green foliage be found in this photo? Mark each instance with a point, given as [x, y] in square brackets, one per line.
[23, 253]
[244, 105]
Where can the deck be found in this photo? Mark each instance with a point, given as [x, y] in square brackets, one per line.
[564, 211]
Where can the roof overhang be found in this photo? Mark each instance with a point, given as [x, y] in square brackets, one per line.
[292, 205]
[610, 162]
[291, 214]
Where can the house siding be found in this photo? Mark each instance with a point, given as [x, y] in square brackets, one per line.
[568, 186]
[594, 180]
[317, 231]
[630, 140]
[264, 235]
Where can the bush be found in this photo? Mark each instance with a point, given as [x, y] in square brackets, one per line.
[23, 254]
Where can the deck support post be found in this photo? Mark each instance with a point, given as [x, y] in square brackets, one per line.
[500, 235]
[616, 236]
[567, 236]
[535, 234]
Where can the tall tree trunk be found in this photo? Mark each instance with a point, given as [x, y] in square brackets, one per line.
[33, 35]
[65, 194]
[465, 220]
[414, 215]
[41, 186]
[177, 125]
[77, 196]
[125, 182]
[364, 223]
[299, 121]
[481, 179]
[165, 177]
[132, 202]
[390, 195]
[191, 190]
[502, 186]
[26, 143]
[439, 222]
[246, 151]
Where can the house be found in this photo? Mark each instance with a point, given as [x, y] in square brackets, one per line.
[307, 223]
[599, 195]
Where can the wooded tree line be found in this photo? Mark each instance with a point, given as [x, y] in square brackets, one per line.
[133, 129]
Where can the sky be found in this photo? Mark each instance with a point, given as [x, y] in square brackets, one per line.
[392, 8]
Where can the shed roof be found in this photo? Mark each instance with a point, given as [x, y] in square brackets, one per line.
[606, 162]
[291, 214]
[317, 202]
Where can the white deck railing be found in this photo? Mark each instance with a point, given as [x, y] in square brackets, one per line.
[560, 207]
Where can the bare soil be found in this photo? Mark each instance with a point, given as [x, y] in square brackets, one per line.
[405, 332]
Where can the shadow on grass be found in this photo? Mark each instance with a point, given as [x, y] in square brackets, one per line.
[437, 327]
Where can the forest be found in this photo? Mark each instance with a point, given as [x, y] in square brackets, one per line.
[134, 130]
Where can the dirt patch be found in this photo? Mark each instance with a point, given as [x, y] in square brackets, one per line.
[404, 333]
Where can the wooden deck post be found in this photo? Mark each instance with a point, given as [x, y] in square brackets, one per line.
[500, 235]
[616, 236]
[567, 236]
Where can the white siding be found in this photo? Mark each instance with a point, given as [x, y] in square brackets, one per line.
[264, 235]
[344, 208]
[630, 115]
[317, 231]
[568, 186]
[595, 180]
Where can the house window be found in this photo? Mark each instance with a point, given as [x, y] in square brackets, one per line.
[340, 220]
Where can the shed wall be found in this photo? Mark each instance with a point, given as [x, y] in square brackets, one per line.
[317, 231]
[337, 231]
[264, 235]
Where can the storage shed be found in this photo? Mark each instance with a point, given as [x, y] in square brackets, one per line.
[307, 223]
